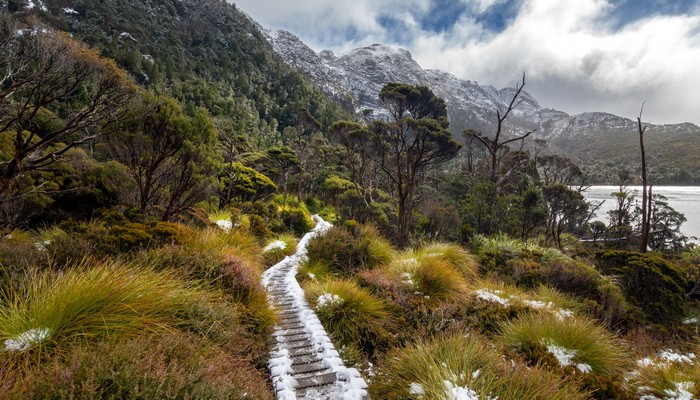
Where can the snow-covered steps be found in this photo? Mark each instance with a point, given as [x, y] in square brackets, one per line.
[304, 364]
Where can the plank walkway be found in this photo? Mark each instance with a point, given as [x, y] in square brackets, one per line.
[304, 364]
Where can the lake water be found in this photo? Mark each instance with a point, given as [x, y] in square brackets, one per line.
[684, 199]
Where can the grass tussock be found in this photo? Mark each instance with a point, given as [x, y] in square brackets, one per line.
[432, 278]
[575, 342]
[667, 375]
[455, 255]
[313, 270]
[92, 300]
[350, 314]
[466, 365]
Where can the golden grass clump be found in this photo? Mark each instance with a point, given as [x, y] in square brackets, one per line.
[575, 342]
[462, 365]
[350, 314]
[92, 300]
[455, 255]
[667, 375]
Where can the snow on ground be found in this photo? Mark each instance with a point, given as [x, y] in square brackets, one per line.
[407, 278]
[665, 358]
[224, 224]
[455, 392]
[681, 392]
[565, 356]
[328, 299]
[416, 389]
[27, 339]
[275, 245]
[352, 385]
[68, 10]
[493, 296]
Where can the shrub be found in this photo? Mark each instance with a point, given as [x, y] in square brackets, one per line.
[462, 366]
[347, 251]
[296, 219]
[350, 314]
[575, 342]
[174, 365]
[649, 282]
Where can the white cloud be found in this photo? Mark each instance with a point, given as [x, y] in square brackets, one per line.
[575, 58]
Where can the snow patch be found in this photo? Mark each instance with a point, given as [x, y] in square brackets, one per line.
[69, 11]
[407, 278]
[224, 224]
[493, 296]
[127, 36]
[416, 389]
[455, 392]
[275, 245]
[670, 355]
[565, 356]
[27, 339]
[42, 245]
[328, 300]
[681, 392]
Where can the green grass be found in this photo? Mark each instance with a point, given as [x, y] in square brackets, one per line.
[93, 300]
[354, 316]
[466, 363]
[502, 244]
[536, 337]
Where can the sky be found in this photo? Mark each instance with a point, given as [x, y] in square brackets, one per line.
[578, 55]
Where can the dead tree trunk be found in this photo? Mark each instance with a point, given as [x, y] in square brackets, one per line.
[646, 193]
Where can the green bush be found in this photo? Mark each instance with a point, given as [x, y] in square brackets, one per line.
[348, 250]
[649, 282]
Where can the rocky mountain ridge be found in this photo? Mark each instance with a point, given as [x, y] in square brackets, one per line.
[596, 140]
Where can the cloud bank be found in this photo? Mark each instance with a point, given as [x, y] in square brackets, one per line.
[583, 55]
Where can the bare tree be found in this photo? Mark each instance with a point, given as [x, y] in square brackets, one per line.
[646, 190]
[495, 146]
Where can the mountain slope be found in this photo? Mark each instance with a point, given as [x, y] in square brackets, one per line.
[203, 52]
[600, 142]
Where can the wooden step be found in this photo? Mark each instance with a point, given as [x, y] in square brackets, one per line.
[316, 380]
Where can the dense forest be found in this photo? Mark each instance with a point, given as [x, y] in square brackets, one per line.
[151, 152]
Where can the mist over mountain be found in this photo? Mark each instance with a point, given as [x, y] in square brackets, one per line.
[600, 142]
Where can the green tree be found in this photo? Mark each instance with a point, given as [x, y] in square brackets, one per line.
[171, 157]
[567, 209]
[55, 94]
[243, 183]
[413, 142]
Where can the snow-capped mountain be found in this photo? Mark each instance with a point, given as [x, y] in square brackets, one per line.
[355, 79]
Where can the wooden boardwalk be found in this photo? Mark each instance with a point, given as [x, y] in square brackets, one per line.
[304, 364]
